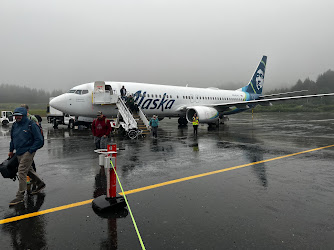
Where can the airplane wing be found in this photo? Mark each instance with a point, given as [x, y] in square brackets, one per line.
[286, 93]
[263, 102]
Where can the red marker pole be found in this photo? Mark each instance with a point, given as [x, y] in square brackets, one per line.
[111, 192]
[111, 200]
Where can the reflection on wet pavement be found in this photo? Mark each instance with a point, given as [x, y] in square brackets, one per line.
[252, 207]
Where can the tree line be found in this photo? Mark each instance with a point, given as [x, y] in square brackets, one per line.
[323, 84]
[23, 94]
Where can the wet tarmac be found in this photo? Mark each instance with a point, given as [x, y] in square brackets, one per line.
[283, 203]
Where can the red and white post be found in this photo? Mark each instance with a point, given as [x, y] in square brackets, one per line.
[111, 176]
[107, 159]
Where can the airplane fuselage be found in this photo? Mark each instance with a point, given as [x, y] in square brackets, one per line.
[209, 104]
[162, 100]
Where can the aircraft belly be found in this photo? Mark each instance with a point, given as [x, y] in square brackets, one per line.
[107, 110]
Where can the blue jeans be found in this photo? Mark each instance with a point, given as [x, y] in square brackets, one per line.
[100, 142]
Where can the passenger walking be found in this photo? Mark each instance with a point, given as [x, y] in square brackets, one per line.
[30, 117]
[131, 103]
[26, 139]
[123, 93]
[195, 123]
[33, 118]
[101, 129]
[154, 123]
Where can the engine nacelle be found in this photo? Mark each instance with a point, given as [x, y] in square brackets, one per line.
[205, 114]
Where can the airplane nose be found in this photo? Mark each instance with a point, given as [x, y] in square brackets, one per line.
[59, 102]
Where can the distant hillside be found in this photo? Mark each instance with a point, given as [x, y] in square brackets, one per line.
[19, 94]
[323, 84]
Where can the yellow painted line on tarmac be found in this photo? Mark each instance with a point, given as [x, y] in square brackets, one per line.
[51, 210]
[218, 171]
[77, 204]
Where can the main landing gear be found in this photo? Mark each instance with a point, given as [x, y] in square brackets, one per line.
[182, 121]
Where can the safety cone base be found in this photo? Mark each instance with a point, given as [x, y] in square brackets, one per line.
[103, 203]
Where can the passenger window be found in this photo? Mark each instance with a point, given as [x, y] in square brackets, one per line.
[159, 96]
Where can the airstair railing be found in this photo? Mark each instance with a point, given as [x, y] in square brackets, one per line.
[144, 118]
[126, 114]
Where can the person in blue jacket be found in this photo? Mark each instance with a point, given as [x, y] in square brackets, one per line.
[154, 123]
[26, 139]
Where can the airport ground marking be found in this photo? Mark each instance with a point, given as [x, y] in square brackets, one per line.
[77, 204]
[218, 171]
[47, 211]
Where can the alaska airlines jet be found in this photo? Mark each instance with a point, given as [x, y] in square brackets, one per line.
[210, 104]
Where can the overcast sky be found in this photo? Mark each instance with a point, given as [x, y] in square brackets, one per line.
[57, 44]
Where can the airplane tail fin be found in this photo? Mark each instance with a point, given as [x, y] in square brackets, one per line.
[255, 84]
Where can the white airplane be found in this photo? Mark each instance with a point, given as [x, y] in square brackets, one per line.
[210, 104]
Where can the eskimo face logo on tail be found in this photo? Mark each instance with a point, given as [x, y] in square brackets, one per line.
[150, 103]
[259, 79]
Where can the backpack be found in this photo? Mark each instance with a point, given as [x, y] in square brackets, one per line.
[39, 118]
[9, 168]
[40, 128]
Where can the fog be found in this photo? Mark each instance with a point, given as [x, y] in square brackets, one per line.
[60, 44]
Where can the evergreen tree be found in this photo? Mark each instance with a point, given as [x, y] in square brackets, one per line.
[19, 94]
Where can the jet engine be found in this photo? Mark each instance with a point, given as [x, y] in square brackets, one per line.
[205, 114]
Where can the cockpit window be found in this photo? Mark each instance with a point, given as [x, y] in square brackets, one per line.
[79, 91]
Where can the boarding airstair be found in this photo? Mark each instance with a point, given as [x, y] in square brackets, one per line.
[142, 122]
[130, 122]
[134, 123]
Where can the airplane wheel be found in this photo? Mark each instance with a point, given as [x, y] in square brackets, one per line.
[121, 131]
[4, 122]
[71, 124]
[55, 124]
[182, 121]
[132, 134]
